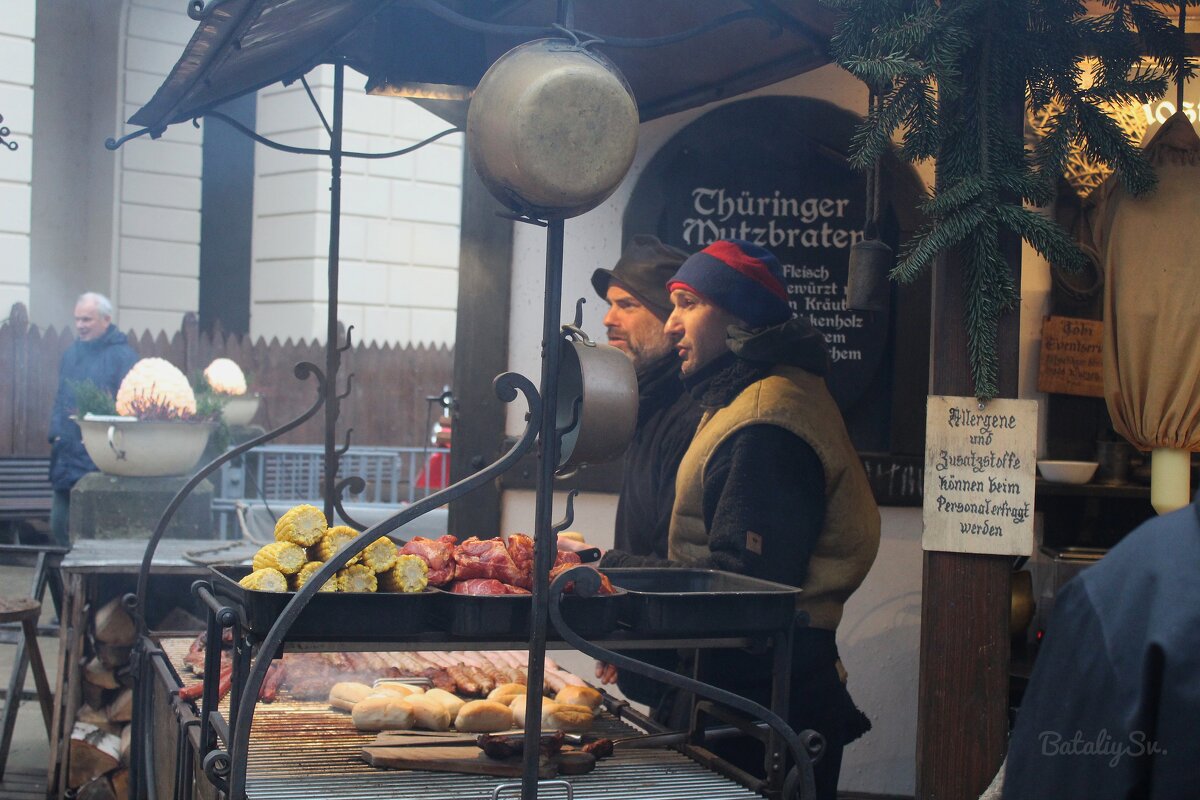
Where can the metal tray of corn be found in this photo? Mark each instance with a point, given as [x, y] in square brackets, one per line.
[332, 616]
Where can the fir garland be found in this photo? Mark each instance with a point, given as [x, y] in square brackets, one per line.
[947, 74]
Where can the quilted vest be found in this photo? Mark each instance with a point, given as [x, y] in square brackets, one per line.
[798, 401]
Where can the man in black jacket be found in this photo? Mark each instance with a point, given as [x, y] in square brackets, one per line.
[636, 291]
[101, 354]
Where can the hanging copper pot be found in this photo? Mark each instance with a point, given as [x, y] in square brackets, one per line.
[597, 402]
[552, 129]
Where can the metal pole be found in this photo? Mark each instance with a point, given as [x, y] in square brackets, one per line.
[333, 354]
[545, 545]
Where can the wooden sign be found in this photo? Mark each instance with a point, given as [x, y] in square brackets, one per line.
[980, 466]
[1071, 361]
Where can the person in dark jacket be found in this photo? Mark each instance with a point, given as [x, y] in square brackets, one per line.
[771, 485]
[636, 292]
[1113, 703]
[100, 354]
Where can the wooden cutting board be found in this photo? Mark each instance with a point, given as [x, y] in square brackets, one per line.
[468, 759]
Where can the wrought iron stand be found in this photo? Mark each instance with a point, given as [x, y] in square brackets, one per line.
[224, 744]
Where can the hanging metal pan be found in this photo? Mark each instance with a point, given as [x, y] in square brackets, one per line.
[552, 128]
[597, 403]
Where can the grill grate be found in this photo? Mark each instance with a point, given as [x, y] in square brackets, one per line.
[301, 750]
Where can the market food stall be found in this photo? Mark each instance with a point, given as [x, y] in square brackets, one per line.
[566, 165]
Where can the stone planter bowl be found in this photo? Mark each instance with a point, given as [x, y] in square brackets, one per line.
[142, 448]
[239, 410]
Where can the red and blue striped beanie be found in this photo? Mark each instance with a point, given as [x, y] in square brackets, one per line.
[744, 279]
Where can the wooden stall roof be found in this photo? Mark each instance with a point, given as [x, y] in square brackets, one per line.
[243, 45]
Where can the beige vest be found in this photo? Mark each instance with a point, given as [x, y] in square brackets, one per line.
[797, 401]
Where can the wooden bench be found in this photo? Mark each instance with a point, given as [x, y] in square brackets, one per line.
[25, 491]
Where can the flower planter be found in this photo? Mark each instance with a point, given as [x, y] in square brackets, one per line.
[143, 448]
[239, 410]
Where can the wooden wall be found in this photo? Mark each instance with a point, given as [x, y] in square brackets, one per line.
[386, 407]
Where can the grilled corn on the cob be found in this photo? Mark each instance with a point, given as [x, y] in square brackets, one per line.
[409, 574]
[334, 540]
[380, 554]
[303, 525]
[286, 557]
[357, 578]
[265, 580]
[301, 577]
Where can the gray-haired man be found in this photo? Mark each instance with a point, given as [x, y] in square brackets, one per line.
[100, 354]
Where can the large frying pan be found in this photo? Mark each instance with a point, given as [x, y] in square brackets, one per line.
[552, 129]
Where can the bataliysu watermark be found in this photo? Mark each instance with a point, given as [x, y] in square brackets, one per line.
[1135, 745]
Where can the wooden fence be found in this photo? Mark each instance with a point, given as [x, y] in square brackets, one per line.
[386, 406]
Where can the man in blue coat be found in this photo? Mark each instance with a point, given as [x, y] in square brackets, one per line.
[1113, 704]
[102, 355]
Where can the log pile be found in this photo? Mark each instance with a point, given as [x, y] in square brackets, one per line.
[98, 760]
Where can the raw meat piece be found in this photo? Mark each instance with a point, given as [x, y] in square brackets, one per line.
[437, 553]
[484, 558]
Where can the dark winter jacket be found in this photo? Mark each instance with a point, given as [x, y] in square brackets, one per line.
[766, 479]
[102, 361]
[667, 418]
[1113, 702]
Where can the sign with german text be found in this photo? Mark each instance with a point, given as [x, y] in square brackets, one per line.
[980, 464]
[1071, 360]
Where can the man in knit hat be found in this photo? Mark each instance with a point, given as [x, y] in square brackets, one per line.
[771, 485]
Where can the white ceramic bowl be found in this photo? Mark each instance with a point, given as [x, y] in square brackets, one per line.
[141, 448]
[1068, 471]
[239, 411]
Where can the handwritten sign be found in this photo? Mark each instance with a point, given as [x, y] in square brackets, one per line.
[1071, 360]
[979, 475]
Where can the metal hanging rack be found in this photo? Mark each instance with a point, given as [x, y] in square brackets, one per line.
[227, 767]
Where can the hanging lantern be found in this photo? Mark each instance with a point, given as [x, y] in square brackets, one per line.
[867, 287]
[1152, 330]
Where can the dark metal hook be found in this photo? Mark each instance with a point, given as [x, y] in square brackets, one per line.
[4, 131]
[349, 387]
[349, 338]
[341, 451]
[568, 516]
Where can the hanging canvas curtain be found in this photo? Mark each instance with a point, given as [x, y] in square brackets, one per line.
[1151, 255]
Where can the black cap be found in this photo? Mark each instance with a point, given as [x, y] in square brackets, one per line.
[643, 270]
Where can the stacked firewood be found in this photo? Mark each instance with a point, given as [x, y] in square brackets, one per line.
[98, 766]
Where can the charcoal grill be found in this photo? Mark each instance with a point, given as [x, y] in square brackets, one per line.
[301, 750]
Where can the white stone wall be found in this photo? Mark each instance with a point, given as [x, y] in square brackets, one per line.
[399, 224]
[157, 237]
[16, 106]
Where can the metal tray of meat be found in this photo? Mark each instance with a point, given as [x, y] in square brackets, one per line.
[507, 615]
[701, 602]
[331, 616]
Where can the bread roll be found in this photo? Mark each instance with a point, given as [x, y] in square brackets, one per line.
[579, 696]
[398, 687]
[345, 695]
[506, 693]
[483, 716]
[573, 719]
[517, 707]
[383, 712]
[428, 713]
[451, 701]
